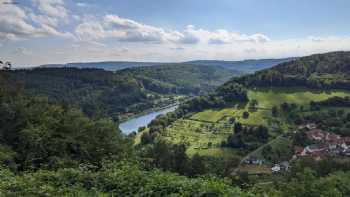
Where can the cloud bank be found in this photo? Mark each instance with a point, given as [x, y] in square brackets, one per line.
[86, 37]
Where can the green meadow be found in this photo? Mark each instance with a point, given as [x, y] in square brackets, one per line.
[268, 98]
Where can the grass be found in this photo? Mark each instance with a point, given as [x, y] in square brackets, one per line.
[213, 115]
[216, 152]
[255, 169]
[275, 144]
[268, 98]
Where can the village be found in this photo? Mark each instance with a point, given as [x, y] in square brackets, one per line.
[321, 144]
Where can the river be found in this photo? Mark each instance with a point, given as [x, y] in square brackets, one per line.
[133, 124]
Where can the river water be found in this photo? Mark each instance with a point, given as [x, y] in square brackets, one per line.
[140, 121]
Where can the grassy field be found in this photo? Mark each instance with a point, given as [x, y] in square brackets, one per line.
[255, 169]
[268, 98]
[213, 115]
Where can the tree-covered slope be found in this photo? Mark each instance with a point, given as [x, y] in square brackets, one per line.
[110, 65]
[245, 66]
[101, 92]
[328, 70]
[181, 78]
[95, 91]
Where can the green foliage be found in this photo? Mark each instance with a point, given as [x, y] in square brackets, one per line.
[330, 119]
[119, 179]
[247, 138]
[322, 71]
[306, 184]
[181, 78]
[98, 92]
[42, 135]
[275, 154]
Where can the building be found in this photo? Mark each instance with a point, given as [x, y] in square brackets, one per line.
[284, 165]
[346, 152]
[315, 148]
[276, 168]
[5, 66]
[253, 160]
[316, 134]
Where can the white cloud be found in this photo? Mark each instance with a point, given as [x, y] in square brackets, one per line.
[52, 8]
[113, 26]
[112, 37]
[222, 36]
[122, 29]
[22, 23]
[42, 19]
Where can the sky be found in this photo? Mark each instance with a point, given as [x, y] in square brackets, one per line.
[35, 32]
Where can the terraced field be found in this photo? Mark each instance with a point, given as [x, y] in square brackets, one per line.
[214, 116]
[201, 137]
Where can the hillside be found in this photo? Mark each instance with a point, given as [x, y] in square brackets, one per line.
[245, 66]
[95, 91]
[181, 78]
[100, 92]
[257, 120]
[329, 70]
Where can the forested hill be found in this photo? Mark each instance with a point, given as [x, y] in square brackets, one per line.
[110, 65]
[245, 66]
[100, 92]
[181, 78]
[328, 70]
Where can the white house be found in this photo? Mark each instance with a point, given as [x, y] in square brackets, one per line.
[276, 168]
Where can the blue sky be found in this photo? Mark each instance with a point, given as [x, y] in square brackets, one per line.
[277, 18]
[34, 32]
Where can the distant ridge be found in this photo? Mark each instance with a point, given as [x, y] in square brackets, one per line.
[245, 66]
[107, 65]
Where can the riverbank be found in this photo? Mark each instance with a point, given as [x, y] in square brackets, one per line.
[177, 101]
[147, 111]
[134, 124]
